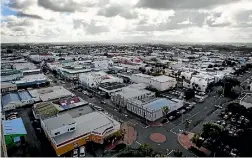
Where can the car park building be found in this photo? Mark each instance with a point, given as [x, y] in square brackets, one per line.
[66, 133]
[153, 109]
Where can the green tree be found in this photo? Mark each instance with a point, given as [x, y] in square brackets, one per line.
[211, 130]
[165, 110]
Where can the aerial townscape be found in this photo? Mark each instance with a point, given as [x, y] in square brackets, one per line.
[178, 85]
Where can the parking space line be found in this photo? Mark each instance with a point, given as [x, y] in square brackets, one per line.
[170, 152]
[138, 143]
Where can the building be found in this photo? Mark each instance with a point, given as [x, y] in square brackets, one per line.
[66, 132]
[94, 79]
[11, 101]
[153, 109]
[8, 87]
[13, 130]
[10, 75]
[73, 73]
[161, 83]
[246, 101]
[50, 93]
[35, 80]
[110, 88]
[45, 110]
[129, 93]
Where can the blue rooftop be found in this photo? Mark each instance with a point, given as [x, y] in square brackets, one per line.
[159, 103]
[6, 99]
[15, 126]
[24, 95]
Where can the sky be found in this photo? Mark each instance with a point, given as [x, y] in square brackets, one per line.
[126, 21]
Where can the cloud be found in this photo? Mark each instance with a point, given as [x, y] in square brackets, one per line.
[79, 23]
[118, 10]
[180, 20]
[181, 4]
[61, 6]
[94, 28]
[33, 16]
[20, 4]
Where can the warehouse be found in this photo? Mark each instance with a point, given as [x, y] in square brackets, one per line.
[65, 132]
[153, 109]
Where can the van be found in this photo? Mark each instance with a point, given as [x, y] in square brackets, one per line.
[82, 151]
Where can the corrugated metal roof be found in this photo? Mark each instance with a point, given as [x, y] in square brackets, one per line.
[24, 95]
[6, 99]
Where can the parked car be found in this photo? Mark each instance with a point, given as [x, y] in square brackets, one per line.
[189, 107]
[82, 151]
[103, 102]
[75, 153]
[182, 111]
[201, 100]
[84, 92]
[171, 118]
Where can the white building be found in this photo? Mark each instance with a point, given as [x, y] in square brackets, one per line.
[163, 83]
[93, 79]
[160, 83]
[153, 109]
[246, 101]
[128, 93]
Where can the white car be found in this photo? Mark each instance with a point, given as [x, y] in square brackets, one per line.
[218, 106]
[75, 153]
[82, 151]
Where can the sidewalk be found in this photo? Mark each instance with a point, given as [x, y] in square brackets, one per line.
[130, 134]
[185, 141]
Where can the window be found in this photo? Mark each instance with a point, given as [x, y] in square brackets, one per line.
[73, 128]
[57, 133]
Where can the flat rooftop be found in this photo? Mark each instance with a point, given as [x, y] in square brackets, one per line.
[79, 111]
[163, 78]
[92, 122]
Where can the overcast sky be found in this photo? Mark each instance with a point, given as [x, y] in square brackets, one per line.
[126, 21]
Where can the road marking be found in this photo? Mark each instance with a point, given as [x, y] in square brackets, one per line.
[170, 152]
[138, 143]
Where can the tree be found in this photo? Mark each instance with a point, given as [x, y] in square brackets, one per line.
[189, 93]
[211, 130]
[197, 140]
[165, 110]
[236, 108]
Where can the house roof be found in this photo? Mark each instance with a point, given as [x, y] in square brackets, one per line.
[24, 95]
[15, 126]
